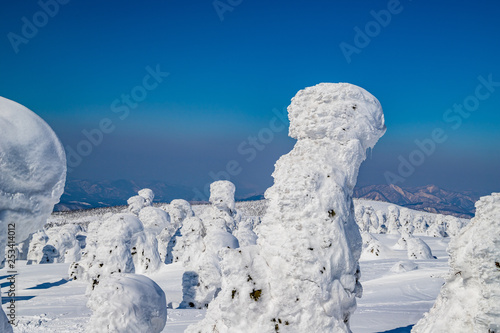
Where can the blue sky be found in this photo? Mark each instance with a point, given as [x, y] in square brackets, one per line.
[227, 76]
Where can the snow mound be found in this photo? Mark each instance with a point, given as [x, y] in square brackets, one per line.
[127, 303]
[470, 298]
[372, 248]
[418, 249]
[403, 266]
[303, 274]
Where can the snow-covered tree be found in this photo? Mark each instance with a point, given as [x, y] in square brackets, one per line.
[244, 231]
[38, 241]
[32, 175]
[303, 274]
[127, 303]
[417, 248]
[143, 199]
[64, 240]
[393, 224]
[146, 250]
[191, 244]
[110, 249]
[202, 280]
[469, 300]
[372, 248]
[179, 210]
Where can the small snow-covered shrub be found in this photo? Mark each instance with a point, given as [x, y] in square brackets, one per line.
[418, 249]
[372, 248]
[469, 300]
[127, 303]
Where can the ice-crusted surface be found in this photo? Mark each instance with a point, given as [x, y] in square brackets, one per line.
[303, 274]
[469, 301]
[32, 173]
[127, 303]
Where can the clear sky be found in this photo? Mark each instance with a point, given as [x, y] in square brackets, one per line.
[230, 63]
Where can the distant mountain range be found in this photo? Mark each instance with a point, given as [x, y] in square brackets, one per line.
[429, 198]
[83, 194]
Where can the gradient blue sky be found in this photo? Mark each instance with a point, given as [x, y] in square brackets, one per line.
[227, 76]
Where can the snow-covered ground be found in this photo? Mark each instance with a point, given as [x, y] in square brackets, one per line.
[391, 302]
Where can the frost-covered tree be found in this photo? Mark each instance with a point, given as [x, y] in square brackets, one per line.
[303, 274]
[127, 303]
[202, 280]
[393, 224]
[32, 176]
[244, 231]
[469, 300]
[143, 199]
[64, 240]
[179, 210]
[38, 241]
[110, 249]
[145, 250]
[191, 244]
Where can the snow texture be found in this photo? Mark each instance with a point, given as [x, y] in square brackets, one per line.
[127, 303]
[303, 274]
[470, 298]
[32, 174]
